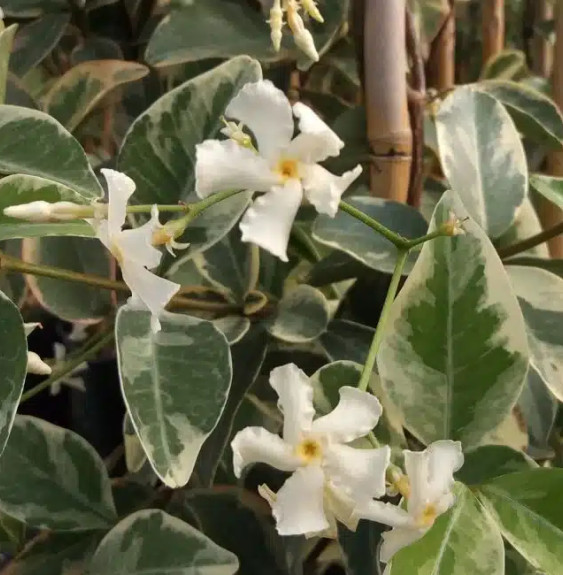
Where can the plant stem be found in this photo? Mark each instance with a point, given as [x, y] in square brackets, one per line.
[431, 236]
[396, 239]
[378, 335]
[253, 268]
[531, 242]
[146, 208]
[93, 347]
[195, 209]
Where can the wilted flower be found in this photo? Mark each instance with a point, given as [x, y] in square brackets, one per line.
[35, 364]
[284, 167]
[133, 249]
[428, 493]
[329, 477]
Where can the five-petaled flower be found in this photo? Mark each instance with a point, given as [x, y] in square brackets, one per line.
[133, 249]
[428, 493]
[329, 478]
[286, 168]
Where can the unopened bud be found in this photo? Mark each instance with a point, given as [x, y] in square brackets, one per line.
[41, 211]
[276, 25]
[236, 133]
[453, 226]
[302, 37]
[36, 365]
[310, 6]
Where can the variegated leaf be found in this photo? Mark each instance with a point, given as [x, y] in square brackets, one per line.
[461, 380]
[175, 383]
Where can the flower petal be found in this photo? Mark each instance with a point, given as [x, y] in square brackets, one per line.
[258, 445]
[136, 244]
[295, 393]
[417, 468]
[339, 504]
[36, 365]
[299, 505]
[396, 539]
[444, 459]
[267, 112]
[324, 189]
[120, 189]
[385, 513]
[359, 472]
[356, 414]
[268, 221]
[155, 292]
[226, 165]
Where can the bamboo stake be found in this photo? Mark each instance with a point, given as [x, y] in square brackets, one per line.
[492, 20]
[550, 215]
[388, 127]
[441, 63]
[542, 49]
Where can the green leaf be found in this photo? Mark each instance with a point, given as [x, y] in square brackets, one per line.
[463, 540]
[6, 41]
[233, 327]
[490, 461]
[22, 189]
[247, 356]
[73, 96]
[535, 115]
[461, 382]
[31, 8]
[302, 315]
[549, 187]
[175, 384]
[52, 478]
[226, 265]
[33, 143]
[359, 548]
[349, 235]
[221, 29]
[69, 300]
[482, 157]
[154, 542]
[506, 65]
[527, 507]
[540, 295]
[34, 41]
[13, 365]
[347, 340]
[135, 456]
[554, 266]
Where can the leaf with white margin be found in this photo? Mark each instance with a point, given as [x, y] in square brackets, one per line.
[175, 383]
[347, 340]
[463, 540]
[52, 478]
[151, 541]
[527, 507]
[233, 327]
[482, 157]
[540, 295]
[549, 187]
[13, 365]
[460, 381]
[349, 235]
[302, 315]
[35, 144]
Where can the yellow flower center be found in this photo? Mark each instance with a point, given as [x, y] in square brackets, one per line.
[309, 450]
[288, 169]
[402, 485]
[428, 516]
[161, 237]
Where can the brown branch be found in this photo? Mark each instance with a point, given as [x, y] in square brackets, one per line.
[441, 62]
[555, 232]
[492, 22]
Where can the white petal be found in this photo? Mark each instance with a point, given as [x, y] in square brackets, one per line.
[120, 189]
[324, 189]
[36, 365]
[226, 165]
[385, 513]
[341, 505]
[359, 472]
[258, 445]
[266, 111]
[155, 292]
[396, 539]
[268, 221]
[356, 414]
[444, 459]
[417, 468]
[30, 327]
[136, 244]
[295, 393]
[299, 505]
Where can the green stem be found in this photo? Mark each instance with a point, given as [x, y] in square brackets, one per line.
[93, 347]
[531, 242]
[377, 337]
[253, 268]
[195, 209]
[146, 208]
[431, 236]
[401, 242]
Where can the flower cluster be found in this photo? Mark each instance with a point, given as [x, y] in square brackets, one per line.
[331, 480]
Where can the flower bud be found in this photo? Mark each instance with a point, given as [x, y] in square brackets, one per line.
[236, 132]
[165, 235]
[453, 226]
[302, 37]
[41, 211]
[276, 24]
[36, 365]
[310, 6]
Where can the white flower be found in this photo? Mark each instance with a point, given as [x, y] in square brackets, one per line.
[453, 226]
[428, 495]
[133, 248]
[35, 364]
[286, 168]
[329, 478]
[165, 235]
[71, 379]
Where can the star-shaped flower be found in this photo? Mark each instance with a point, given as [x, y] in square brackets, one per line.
[284, 167]
[133, 249]
[428, 492]
[329, 478]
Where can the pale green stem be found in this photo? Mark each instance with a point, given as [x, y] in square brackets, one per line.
[377, 337]
[253, 268]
